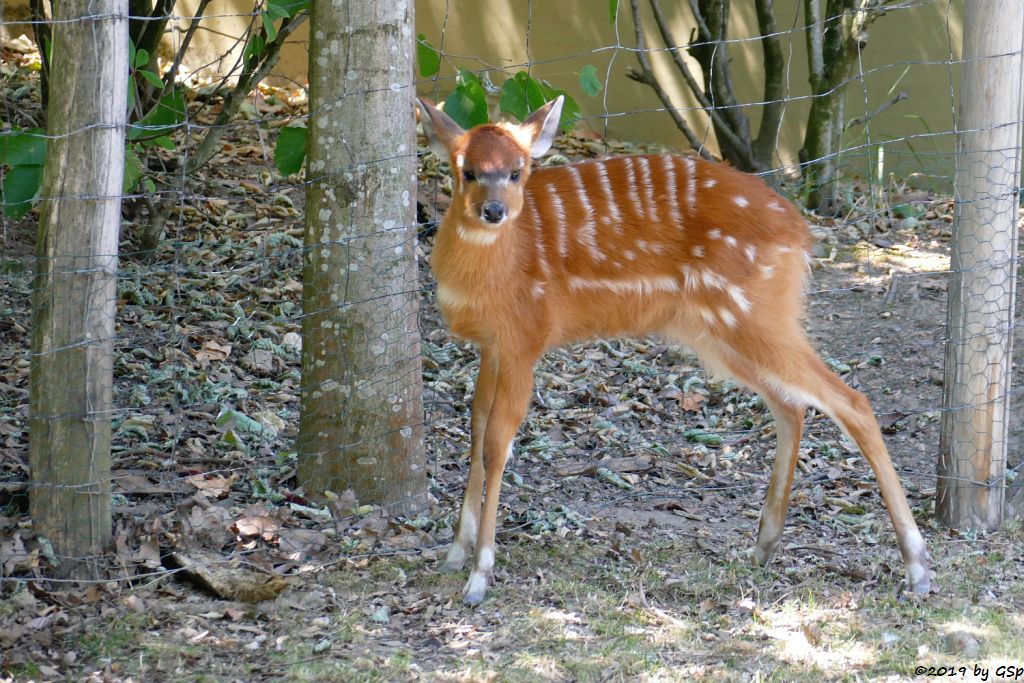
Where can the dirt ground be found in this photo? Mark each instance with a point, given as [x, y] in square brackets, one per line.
[628, 507]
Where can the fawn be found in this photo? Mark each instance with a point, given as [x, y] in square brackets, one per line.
[531, 258]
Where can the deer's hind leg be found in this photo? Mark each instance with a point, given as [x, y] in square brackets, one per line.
[791, 376]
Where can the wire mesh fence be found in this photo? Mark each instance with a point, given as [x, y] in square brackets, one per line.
[214, 254]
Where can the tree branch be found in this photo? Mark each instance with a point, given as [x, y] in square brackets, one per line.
[774, 83]
[172, 73]
[251, 76]
[722, 127]
[646, 76]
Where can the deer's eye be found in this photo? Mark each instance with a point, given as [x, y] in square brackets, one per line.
[468, 176]
[514, 176]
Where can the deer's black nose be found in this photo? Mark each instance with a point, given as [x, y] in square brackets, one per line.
[493, 212]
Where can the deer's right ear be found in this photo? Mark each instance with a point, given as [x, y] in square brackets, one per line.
[440, 129]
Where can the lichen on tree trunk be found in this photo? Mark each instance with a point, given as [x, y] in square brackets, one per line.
[362, 421]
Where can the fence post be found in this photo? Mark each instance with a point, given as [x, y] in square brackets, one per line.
[973, 446]
[73, 305]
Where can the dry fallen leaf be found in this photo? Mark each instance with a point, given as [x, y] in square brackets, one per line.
[211, 351]
[212, 486]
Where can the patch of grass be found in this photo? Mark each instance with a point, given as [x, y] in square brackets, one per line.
[117, 639]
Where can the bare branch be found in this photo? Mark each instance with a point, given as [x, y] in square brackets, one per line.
[861, 120]
[646, 76]
[722, 127]
[172, 73]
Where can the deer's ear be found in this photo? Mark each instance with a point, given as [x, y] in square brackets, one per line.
[542, 126]
[440, 129]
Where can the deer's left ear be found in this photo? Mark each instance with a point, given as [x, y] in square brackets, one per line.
[440, 129]
[542, 126]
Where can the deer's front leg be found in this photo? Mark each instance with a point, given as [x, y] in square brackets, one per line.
[469, 517]
[511, 398]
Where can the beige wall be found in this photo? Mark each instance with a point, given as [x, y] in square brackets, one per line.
[909, 50]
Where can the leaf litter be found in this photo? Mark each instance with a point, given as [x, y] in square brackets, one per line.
[630, 455]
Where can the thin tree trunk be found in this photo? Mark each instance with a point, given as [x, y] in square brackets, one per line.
[834, 43]
[973, 447]
[75, 285]
[361, 425]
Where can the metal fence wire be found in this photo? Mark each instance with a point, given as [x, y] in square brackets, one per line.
[208, 344]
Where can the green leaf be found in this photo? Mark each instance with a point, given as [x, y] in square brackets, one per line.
[268, 25]
[131, 51]
[521, 95]
[131, 95]
[467, 105]
[162, 141]
[21, 184]
[286, 8]
[700, 436]
[613, 10]
[23, 147]
[132, 169]
[168, 113]
[570, 109]
[151, 78]
[589, 82]
[257, 44]
[513, 99]
[141, 58]
[290, 151]
[427, 56]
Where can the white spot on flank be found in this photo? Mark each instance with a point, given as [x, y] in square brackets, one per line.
[751, 251]
[714, 234]
[712, 280]
[558, 209]
[587, 231]
[690, 196]
[775, 206]
[530, 208]
[631, 186]
[480, 237]
[708, 316]
[668, 164]
[538, 290]
[698, 251]
[452, 298]
[645, 176]
[690, 280]
[730, 240]
[740, 201]
[767, 271]
[629, 254]
[609, 195]
[641, 245]
[739, 298]
[727, 317]
[642, 286]
[709, 183]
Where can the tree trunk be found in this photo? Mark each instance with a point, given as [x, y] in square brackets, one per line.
[76, 283]
[834, 43]
[362, 413]
[973, 446]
